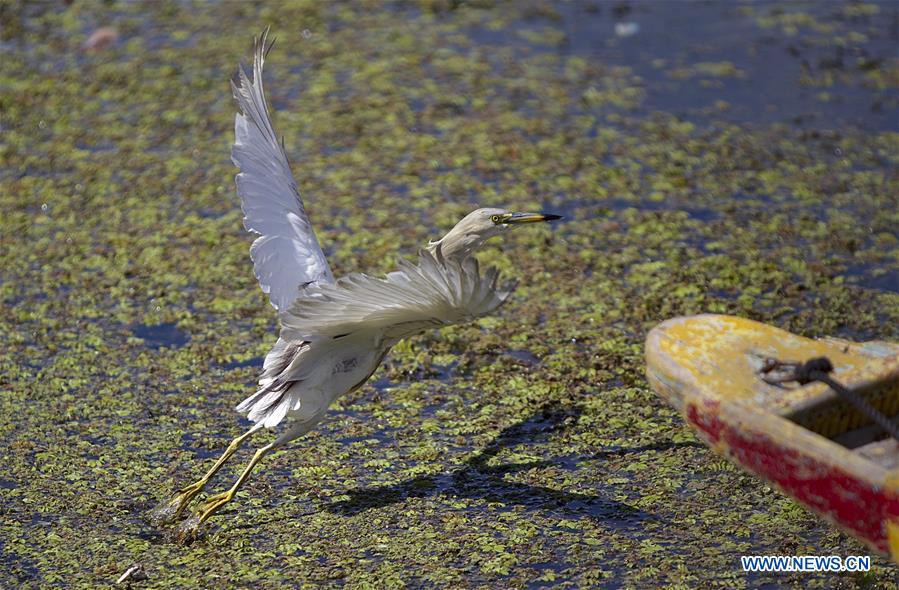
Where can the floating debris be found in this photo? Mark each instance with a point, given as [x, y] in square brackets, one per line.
[101, 39]
[627, 29]
[135, 572]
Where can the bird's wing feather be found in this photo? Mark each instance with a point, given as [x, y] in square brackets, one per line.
[286, 255]
[432, 293]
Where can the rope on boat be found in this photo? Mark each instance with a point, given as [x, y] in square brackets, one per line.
[819, 369]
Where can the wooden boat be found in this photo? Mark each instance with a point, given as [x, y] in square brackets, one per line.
[809, 441]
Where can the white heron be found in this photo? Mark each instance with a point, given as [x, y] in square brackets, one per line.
[334, 334]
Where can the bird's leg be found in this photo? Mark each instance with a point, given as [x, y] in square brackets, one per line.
[172, 509]
[214, 503]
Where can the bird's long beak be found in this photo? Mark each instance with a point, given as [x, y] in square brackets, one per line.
[530, 217]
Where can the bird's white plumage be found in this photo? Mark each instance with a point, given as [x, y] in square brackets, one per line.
[335, 335]
[286, 255]
[435, 292]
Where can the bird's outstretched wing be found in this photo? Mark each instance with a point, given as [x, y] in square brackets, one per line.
[286, 255]
[432, 293]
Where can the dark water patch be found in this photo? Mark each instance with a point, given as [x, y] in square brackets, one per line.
[161, 335]
[698, 213]
[43, 519]
[703, 60]
[208, 213]
[7, 484]
[96, 147]
[694, 55]
[20, 569]
[874, 276]
[383, 384]
[575, 209]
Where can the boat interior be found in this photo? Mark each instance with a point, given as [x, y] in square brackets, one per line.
[834, 417]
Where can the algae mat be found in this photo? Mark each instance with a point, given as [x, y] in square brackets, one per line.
[708, 158]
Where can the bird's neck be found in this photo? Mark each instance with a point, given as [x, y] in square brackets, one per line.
[456, 245]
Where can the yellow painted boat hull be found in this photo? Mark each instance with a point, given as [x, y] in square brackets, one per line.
[806, 440]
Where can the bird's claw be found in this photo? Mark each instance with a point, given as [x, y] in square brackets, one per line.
[188, 531]
[170, 510]
[213, 504]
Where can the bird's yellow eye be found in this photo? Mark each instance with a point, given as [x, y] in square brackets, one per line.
[496, 218]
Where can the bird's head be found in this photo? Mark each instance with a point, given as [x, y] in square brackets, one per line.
[482, 224]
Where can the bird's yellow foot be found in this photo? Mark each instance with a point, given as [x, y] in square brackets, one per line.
[189, 530]
[213, 504]
[171, 509]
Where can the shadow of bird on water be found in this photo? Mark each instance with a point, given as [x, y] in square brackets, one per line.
[476, 478]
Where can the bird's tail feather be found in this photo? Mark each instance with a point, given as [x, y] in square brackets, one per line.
[269, 405]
